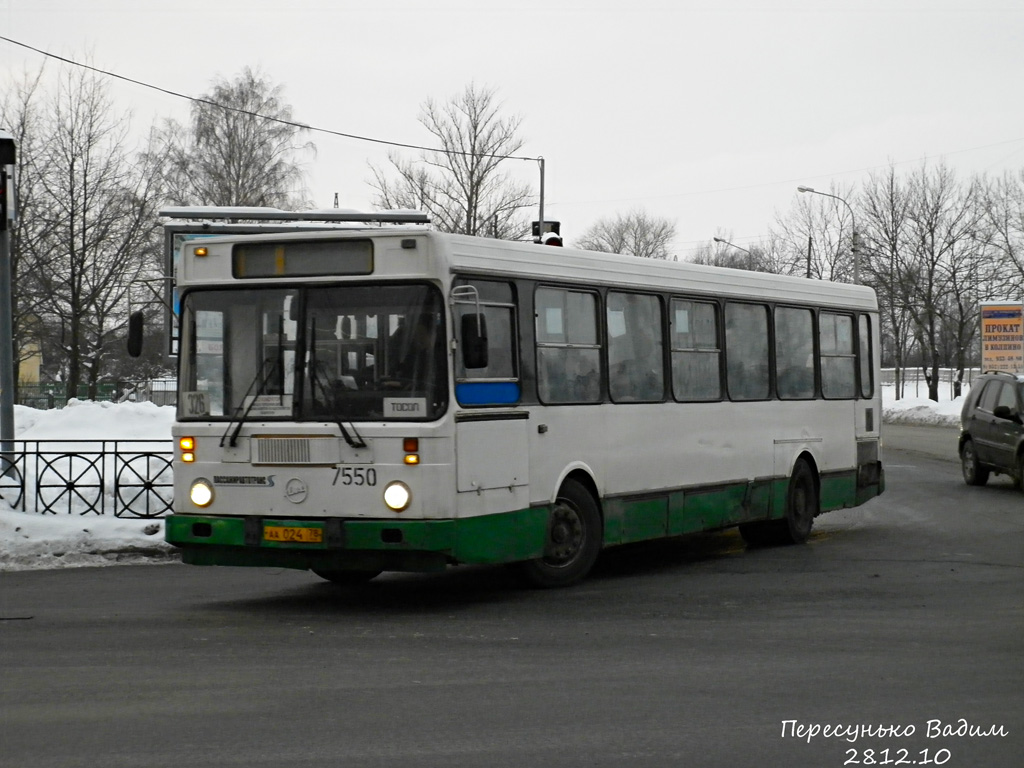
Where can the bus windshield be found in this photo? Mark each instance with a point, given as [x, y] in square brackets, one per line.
[353, 352]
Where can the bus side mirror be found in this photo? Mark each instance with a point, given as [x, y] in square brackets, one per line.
[474, 341]
[136, 324]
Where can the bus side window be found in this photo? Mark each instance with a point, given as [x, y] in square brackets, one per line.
[794, 353]
[865, 353]
[568, 351]
[746, 351]
[497, 381]
[695, 351]
[635, 368]
[838, 371]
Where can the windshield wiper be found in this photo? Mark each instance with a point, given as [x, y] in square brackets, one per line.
[262, 377]
[319, 382]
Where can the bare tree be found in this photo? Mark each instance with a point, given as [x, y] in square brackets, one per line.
[820, 234]
[20, 114]
[241, 148]
[766, 256]
[943, 216]
[885, 225]
[1004, 222]
[93, 220]
[463, 185]
[636, 233]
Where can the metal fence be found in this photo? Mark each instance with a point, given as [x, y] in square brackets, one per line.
[48, 395]
[126, 478]
[915, 384]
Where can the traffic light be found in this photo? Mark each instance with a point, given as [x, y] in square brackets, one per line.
[549, 226]
[7, 159]
[3, 198]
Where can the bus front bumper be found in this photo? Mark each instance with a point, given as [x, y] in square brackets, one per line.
[345, 544]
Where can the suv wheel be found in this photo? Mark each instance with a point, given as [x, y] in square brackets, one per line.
[974, 473]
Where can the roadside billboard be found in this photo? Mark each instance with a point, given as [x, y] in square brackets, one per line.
[1002, 336]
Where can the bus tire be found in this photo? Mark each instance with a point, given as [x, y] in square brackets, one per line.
[801, 505]
[974, 473]
[801, 509]
[346, 578]
[573, 540]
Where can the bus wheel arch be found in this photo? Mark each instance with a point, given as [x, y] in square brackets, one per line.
[574, 537]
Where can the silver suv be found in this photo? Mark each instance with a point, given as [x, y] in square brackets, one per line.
[992, 428]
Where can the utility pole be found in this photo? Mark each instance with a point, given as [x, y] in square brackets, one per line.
[7, 215]
[540, 226]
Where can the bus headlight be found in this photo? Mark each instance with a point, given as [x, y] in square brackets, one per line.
[201, 493]
[397, 496]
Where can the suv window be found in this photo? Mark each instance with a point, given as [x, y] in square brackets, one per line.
[990, 396]
[1008, 397]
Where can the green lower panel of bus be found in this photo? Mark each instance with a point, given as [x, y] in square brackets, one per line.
[709, 508]
[424, 545]
[394, 545]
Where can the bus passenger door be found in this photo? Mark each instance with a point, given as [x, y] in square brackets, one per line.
[490, 435]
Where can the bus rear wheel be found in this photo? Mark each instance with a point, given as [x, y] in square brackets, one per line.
[573, 540]
[801, 509]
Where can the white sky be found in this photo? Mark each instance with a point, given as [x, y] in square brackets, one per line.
[707, 112]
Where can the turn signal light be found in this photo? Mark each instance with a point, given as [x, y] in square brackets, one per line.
[187, 446]
[411, 446]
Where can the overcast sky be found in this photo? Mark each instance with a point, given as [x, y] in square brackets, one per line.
[707, 112]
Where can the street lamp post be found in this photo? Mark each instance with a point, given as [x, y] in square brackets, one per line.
[731, 245]
[750, 256]
[8, 213]
[853, 219]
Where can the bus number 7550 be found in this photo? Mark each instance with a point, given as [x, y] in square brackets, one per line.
[355, 476]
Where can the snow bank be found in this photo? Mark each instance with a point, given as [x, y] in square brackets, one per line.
[30, 541]
[919, 410]
[86, 420]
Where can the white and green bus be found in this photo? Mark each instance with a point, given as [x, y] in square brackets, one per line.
[390, 398]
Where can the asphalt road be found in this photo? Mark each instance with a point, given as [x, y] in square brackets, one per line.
[935, 442]
[901, 620]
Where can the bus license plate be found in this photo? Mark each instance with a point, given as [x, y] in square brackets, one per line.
[294, 534]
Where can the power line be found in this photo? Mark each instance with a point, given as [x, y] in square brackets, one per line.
[785, 181]
[418, 147]
[291, 123]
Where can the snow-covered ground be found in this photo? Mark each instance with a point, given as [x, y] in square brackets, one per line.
[33, 541]
[29, 540]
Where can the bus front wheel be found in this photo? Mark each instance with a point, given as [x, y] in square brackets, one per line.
[572, 542]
